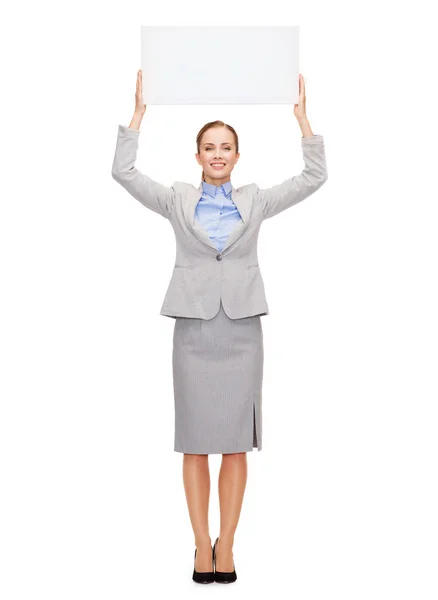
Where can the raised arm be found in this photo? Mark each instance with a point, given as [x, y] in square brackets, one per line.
[293, 190]
[150, 193]
[284, 195]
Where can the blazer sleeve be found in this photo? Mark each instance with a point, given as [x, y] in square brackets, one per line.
[150, 193]
[295, 189]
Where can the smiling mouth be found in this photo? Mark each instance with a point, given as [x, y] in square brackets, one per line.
[218, 166]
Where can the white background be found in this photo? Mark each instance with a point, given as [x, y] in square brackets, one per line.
[341, 502]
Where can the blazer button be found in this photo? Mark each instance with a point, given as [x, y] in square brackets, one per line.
[219, 257]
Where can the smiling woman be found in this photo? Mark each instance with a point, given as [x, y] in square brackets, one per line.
[216, 296]
[218, 151]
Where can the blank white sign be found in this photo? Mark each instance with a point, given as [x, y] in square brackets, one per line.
[220, 65]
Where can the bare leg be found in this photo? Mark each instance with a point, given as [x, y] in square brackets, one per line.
[232, 483]
[196, 476]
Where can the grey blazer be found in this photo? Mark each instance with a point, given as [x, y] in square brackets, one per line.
[202, 275]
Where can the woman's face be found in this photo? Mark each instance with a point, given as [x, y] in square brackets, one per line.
[217, 145]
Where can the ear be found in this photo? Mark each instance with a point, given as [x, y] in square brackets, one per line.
[197, 158]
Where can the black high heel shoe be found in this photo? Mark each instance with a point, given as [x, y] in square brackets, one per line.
[207, 577]
[222, 577]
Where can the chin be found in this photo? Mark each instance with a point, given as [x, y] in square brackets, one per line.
[219, 175]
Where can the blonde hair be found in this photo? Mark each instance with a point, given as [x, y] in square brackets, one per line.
[208, 126]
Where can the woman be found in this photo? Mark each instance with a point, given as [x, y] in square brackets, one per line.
[216, 296]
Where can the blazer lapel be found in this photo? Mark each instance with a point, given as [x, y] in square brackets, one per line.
[241, 198]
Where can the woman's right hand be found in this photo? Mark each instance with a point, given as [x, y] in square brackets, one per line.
[140, 107]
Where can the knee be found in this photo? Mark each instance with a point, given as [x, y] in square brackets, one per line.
[234, 456]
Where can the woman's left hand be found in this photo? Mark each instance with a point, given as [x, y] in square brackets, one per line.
[300, 108]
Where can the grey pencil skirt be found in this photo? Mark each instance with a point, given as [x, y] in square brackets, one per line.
[217, 380]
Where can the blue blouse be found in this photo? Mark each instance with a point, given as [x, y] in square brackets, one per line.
[216, 212]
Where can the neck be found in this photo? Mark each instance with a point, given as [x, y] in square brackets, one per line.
[216, 182]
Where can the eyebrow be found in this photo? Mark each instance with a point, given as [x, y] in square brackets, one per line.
[223, 143]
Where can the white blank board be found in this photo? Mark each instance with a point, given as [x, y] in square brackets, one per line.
[220, 65]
